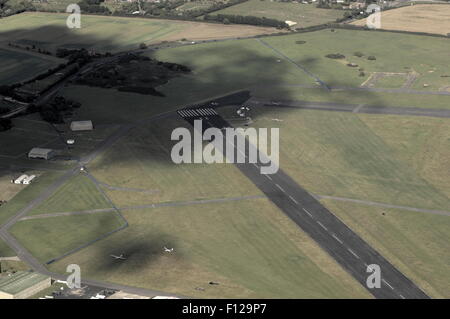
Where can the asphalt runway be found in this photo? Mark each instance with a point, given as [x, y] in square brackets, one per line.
[345, 246]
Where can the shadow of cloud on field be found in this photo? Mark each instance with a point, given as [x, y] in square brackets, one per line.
[220, 73]
[51, 37]
[139, 254]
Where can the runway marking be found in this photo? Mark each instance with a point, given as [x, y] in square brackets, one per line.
[307, 212]
[321, 225]
[353, 253]
[281, 188]
[255, 165]
[387, 284]
[293, 199]
[268, 176]
[339, 240]
[402, 297]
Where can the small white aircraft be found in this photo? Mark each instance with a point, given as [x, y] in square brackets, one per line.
[118, 257]
[167, 250]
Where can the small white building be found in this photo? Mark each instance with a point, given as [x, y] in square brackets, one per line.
[29, 179]
[20, 179]
[81, 126]
[44, 153]
[290, 23]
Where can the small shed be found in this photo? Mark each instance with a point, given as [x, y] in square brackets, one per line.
[81, 126]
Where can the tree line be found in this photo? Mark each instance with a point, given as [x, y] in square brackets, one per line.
[238, 19]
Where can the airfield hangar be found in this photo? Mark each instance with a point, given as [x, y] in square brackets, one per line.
[44, 153]
[81, 126]
[23, 284]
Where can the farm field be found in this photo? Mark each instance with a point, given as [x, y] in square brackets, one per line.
[304, 14]
[430, 18]
[49, 30]
[49, 238]
[18, 65]
[249, 247]
[417, 243]
[77, 194]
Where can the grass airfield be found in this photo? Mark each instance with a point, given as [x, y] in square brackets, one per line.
[247, 245]
[251, 249]
[394, 160]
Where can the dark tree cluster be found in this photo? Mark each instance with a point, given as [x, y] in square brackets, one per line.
[215, 7]
[238, 19]
[10, 7]
[33, 47]
[133, 73]
[93, 6]
[5, 124]
[335, 56]
[55, 110]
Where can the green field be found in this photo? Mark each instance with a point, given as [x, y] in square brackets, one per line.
[381, 158]
[17, 66]
[386, 159]
[21, 200]
[416, 243]
[393, 52]
[49, 30]
[5, 250]
[304, 14]
[250, 248]
[141, 160]
[52, 237]
[78, 194]
[110, 33]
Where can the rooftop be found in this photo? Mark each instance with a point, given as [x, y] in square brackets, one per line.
[20, 281]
